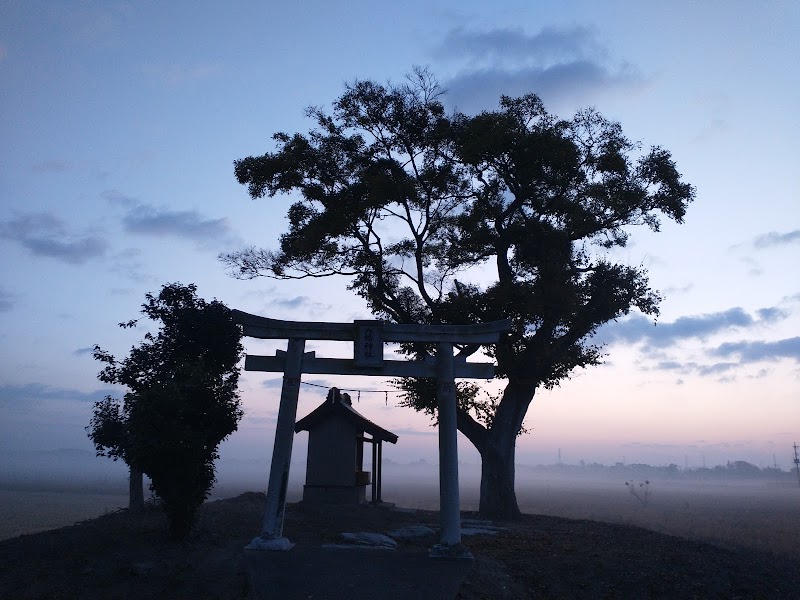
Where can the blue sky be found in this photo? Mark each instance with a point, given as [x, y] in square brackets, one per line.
[120, 123]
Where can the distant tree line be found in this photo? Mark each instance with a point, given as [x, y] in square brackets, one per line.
[739, 468]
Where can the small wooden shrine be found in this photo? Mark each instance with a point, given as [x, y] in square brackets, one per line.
[335, 464]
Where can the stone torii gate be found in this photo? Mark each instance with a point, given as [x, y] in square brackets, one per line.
[368, 338]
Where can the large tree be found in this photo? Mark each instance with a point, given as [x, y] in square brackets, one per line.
[449, 218]
[182, 403]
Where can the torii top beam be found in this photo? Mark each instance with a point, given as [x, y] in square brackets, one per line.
[266, 328]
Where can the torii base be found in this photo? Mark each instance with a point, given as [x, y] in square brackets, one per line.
[455, 551]
[280, 544]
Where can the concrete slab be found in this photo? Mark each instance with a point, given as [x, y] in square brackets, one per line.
[336, 574]
[368, 538]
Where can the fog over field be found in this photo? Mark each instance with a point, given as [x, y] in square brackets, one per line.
[733, 505]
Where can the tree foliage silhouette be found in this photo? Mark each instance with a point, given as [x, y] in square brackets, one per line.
[182, 401]
[417, 207]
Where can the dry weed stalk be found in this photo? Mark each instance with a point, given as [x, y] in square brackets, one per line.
[642, 494]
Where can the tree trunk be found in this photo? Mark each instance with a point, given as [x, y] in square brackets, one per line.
[498, 496]
[135, 490]
[498, 451]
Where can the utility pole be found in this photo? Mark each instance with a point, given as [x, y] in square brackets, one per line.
[797, 463]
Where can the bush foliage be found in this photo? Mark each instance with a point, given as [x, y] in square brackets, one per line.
[182, 399]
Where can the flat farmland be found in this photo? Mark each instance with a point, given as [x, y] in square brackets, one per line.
[25, 511]
[758, 514]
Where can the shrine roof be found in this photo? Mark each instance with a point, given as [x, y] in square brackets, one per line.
[335, 408]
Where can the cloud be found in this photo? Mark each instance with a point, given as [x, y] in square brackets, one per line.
[711, 131]
[641, 329]
[36, 392]
[756, 351]
[761, 374]
[772, 314]
[52, 166]
[500, 45]
[299, 302]
[311, 306]
[754, 268]
[716, 368]
[296, 302]
[118, 198]
[272, 384]
[7, 301]
[43, 234]
[122, 291]
[678, 290]
[127, 264]
[689, 368]
[657, 339]
[255, 421]
[412, 431]
[83, 351]
[672, 365]
[473, 91]
[557, 64]
[773, 238]
[188, 224]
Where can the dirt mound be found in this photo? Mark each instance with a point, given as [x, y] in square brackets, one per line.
[123, 555]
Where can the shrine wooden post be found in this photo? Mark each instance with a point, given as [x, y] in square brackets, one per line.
[368, 338]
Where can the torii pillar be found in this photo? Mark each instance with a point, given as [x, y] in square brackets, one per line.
[449, 501]
[271, 537]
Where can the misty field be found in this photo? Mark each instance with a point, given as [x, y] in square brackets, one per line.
[25, 511]
[756, 514]
[748, 514]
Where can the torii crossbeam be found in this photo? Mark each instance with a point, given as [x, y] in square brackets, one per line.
[368, 338]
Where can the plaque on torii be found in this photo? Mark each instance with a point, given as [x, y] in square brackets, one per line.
[368, 338]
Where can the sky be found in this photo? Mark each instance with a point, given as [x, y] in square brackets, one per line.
[120, 122]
